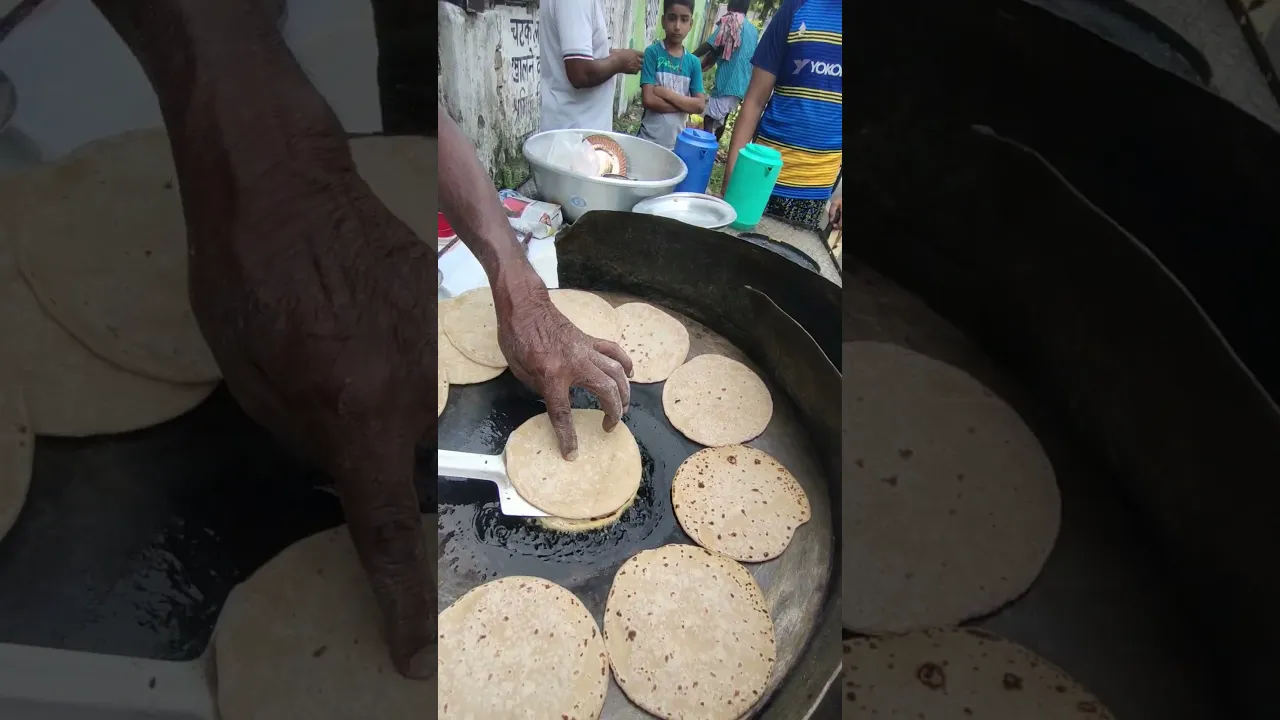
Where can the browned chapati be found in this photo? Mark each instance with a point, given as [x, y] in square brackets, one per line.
[738, 501]
[716, 401]
[520, 647]
[689, 634]
[950, 505]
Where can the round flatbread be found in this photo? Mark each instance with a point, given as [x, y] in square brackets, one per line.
[582, 489]
[738, 501]
[717, 401]
[591, 314]
[689, 634]
[471, 323]
[628, 467]
[460, 369]
[961, 673]
[17, 452]
[442, 391]
[69, 391]
[520, 647]
[656, 342]
[950, 505]
[581, 526]
[103, 246]
[301, 638]
[402, 171]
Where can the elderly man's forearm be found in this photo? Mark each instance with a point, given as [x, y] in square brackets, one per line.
[468, 199]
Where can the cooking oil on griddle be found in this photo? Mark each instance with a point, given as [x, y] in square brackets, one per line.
[478, 543]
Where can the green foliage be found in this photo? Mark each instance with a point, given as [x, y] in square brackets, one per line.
[763, 10]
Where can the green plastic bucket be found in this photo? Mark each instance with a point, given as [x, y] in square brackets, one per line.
[754, 175]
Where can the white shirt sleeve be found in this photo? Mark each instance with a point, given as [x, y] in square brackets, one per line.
[575, 26]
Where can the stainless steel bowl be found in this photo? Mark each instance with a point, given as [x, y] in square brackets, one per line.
[652, 169]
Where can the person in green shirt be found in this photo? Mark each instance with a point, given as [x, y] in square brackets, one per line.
[729, 48]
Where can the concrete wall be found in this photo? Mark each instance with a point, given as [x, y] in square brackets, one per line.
[489, 82]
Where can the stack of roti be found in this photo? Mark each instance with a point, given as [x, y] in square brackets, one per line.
[93, 281]
[591, 491]
[468, 336]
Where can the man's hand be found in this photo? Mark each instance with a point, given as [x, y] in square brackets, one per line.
[313, 298]
[834, 211]
[545, 351]
[550, 355]
[628, 61]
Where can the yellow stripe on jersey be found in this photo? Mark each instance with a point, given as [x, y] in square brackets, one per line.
[820, 36]
[803, 168]
[811, 94]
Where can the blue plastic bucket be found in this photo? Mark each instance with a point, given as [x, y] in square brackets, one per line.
[754, 175]
[697, 148]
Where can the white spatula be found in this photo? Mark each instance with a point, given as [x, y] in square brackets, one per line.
[450, 463]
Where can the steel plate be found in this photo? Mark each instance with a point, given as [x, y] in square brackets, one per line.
[698, 209]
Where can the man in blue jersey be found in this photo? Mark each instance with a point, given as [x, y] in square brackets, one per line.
[793, 105]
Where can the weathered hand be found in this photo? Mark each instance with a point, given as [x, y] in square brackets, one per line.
[313, 297]
[550, 355]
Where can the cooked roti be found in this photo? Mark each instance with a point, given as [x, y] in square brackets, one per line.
[627, 468]
[716, 401]
[738, 501]
[689, 634]
[591, 314]
[458, 368]
[301, 638]
[950, 505]
[471, 323]
[70, 391]
[17, 451]
[520, 647]
[956, 674]
[581, 489]
[656, 342]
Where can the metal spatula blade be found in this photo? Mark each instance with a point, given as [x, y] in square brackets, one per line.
[450, 463]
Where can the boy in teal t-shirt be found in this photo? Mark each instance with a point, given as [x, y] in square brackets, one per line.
[670, 79]
[730, 48]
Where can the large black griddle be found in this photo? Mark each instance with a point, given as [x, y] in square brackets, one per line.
[706, 277]
[1106, 232]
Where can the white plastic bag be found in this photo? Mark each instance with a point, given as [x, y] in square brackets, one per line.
[573, 154]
